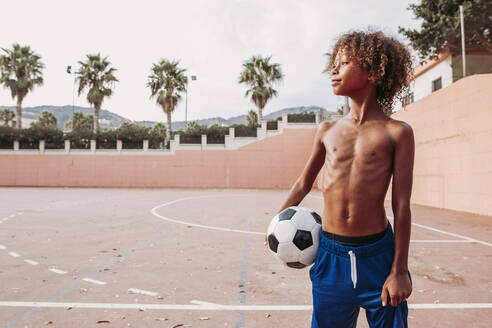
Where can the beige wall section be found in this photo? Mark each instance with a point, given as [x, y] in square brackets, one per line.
[453, 158]
[274, 162]
[453, 146]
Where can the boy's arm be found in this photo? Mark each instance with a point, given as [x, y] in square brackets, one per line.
[398, 284]
[305, 181]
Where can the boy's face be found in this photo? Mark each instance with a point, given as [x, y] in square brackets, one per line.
[347, 76]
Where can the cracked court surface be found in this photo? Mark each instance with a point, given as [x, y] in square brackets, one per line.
[73, 257]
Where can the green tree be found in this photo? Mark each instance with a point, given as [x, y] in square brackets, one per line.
[20, 71]
[252, 118]
[132, 131]
[260, 75]
[192, 126]
[96, 75]
[7, 117]
[166, 82]
[80, 122]
[441, 29]
[158, 131]
[46, 120]
[341, 110]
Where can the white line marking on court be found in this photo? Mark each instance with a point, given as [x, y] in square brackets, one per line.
[57, 271]
[203, 303]
[154, 212]
[451, 306]
[14, 254]
[12, 215]
[454, 235]
[2, 247]
[94, 281]
[437, 230]
[31, 262]
[141, 291]
[212, 306]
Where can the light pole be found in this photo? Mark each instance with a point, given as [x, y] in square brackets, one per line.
[69, 71]
[346, 107]
[463, 54]
[193, 78]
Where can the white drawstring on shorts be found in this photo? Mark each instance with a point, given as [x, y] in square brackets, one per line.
[353, 268]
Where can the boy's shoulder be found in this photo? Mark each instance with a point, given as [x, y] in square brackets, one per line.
[399, 129]
[399, 126]
[326, 124]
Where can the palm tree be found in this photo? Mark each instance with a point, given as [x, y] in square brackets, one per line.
[46, 120]
[7, 117]
[167, 81]
[260, 75]
[96, 75]
[80, 122]
[252, 118]
[21, 70]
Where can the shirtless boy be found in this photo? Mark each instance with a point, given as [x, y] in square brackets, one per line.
[361, 262]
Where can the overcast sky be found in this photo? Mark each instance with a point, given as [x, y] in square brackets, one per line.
[211, 38]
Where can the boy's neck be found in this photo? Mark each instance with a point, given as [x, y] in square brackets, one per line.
[365, 108]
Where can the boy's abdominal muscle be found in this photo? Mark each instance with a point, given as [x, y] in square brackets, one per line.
[354, 181]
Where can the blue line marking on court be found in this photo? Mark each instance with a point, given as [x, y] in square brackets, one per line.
[241, 320]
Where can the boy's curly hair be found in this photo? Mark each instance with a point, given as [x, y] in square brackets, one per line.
[387, 60]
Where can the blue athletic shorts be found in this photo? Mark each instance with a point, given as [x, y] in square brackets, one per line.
[345, 278]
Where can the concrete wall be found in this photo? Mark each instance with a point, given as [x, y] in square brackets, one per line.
[273, 162]
[453, 140]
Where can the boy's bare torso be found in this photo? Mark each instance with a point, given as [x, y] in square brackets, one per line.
[356, 174]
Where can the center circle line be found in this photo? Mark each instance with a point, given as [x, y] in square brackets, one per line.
[165, 218]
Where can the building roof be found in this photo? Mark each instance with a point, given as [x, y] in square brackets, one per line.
[428, 64]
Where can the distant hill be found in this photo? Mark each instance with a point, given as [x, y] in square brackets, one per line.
[107, 119]
[111, 120]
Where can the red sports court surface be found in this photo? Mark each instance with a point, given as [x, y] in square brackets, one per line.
[195, 258]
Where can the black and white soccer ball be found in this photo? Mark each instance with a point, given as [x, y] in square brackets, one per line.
[293, 236]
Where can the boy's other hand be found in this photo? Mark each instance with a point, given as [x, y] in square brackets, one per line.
[398, 287]
[266, 241]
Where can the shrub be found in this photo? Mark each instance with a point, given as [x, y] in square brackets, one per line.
[132, 135]
[157, 137]
[216, 134]
[80, 138]
[193, 133]
[7, 136]
[29, 138]
[106, 139]
[242, 130]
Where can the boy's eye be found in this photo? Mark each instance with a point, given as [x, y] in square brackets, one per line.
[344, 63]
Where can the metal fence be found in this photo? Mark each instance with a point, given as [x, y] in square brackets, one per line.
[216, 139]
[272, 125]
[185, 139]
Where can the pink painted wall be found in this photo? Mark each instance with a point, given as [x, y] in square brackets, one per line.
[453, 157]
[274, 162]
[453, 146]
